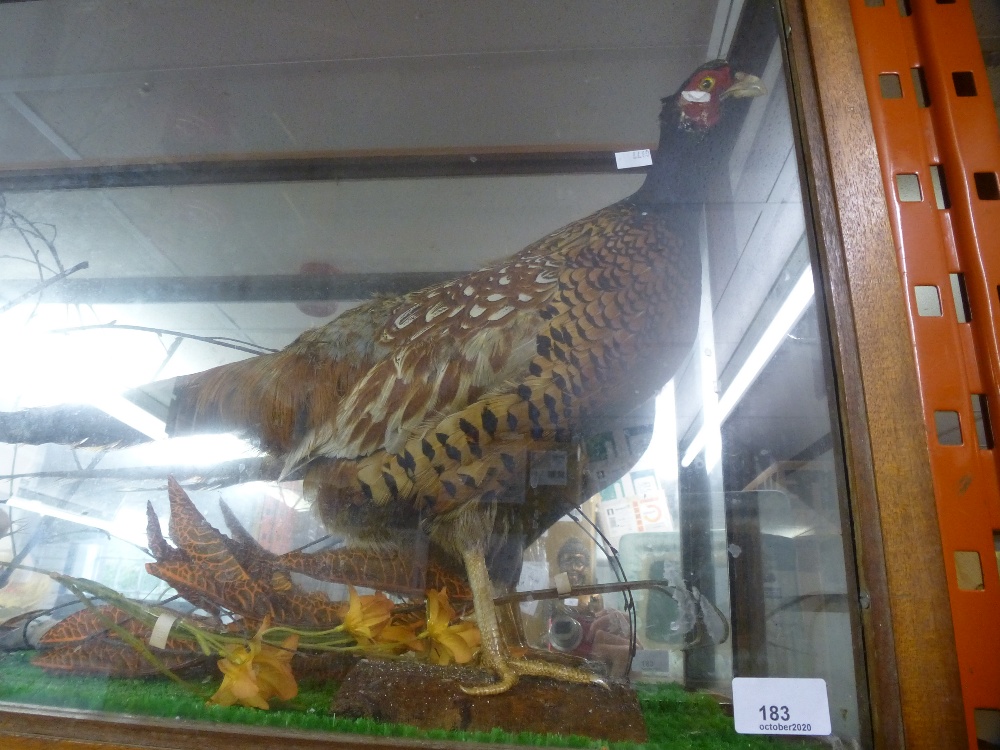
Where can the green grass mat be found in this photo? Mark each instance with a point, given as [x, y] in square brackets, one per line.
[676, 720]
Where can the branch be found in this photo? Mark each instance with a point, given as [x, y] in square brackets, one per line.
[38, 288]
[217, 340]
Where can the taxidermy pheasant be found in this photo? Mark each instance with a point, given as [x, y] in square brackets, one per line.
[425, 411]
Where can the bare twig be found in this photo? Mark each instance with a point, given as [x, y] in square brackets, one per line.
[38, 288]
[40, 532]
[225, 341]
[222, 474]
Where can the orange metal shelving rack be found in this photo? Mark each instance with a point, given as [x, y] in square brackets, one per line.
[939, 150]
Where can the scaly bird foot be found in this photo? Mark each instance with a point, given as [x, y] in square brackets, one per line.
[494, 656]
[509, 670]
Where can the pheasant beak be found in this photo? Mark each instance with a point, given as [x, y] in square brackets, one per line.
[745, 86]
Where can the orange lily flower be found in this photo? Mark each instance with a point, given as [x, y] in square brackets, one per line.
[401, 634]
[274, 673]
[366, 616]
[448, 642]
[254, 672]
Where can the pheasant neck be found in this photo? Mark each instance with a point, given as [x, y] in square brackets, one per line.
[681, 167]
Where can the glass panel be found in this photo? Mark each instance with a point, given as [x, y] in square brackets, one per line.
[601, 474]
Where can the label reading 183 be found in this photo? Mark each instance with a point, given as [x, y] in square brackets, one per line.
[775, 713]
[781, 705]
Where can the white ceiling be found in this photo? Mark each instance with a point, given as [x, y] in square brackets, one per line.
[113, 79]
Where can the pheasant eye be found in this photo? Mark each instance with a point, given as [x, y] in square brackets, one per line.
[707, 83]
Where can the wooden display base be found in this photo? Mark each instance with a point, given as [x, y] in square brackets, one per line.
[429, 697]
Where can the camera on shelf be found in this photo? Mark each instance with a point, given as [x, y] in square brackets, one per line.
[566, 633]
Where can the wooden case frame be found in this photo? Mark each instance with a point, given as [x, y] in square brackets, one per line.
[908, 646]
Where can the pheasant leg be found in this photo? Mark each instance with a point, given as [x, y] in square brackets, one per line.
[493, 655]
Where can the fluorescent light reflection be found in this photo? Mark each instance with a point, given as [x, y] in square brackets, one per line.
[125, 531]
[661, 453]
[43, 368]
[190, 450]
[95, 367]
[785, 319]
[128, 413]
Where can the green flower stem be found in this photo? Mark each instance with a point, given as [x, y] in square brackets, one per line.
[334, 639]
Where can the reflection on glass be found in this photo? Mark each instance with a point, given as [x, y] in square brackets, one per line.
[650, 504]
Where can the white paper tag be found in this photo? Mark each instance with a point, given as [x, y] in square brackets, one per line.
[629, 159]
[562, 583]
[161, 629]
[651, 660]
[549, 468]
[781, 705]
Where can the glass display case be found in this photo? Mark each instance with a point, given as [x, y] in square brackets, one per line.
[516, 388]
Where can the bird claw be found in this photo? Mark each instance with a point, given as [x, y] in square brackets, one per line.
[507, 680]
[509, 670]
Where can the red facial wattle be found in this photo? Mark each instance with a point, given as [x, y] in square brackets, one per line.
[700, 100]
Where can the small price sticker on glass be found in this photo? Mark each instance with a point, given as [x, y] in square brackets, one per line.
[781, 705]
[549, 467]
[630, 159]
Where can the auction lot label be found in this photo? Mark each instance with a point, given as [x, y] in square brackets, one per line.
[781, 705]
